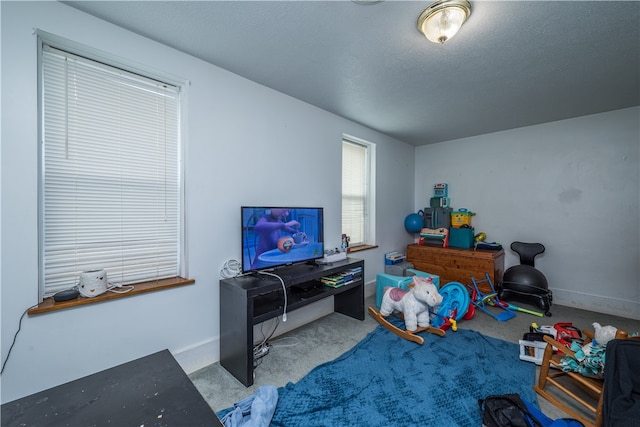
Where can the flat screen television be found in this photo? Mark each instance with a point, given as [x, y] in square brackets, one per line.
[277, 236]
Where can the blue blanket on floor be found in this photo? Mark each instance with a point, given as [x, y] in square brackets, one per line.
[388, 381]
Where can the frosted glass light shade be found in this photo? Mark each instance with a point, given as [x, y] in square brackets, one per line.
[443, 19]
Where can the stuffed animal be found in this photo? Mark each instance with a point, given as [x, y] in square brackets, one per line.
[414, 303]
[604, 334]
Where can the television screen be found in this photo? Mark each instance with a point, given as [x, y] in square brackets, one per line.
[275, 236]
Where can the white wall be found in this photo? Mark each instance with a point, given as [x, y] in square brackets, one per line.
[247, 144]
[572, 185]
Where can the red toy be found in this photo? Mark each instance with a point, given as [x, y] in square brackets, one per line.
[567, 333]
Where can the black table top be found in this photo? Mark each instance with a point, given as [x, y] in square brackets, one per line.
[146, 392]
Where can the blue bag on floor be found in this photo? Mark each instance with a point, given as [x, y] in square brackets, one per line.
[548, 422]
[253, 411]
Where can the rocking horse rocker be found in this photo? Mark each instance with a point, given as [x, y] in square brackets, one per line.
[413, 306]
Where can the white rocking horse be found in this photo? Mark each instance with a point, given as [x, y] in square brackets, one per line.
[413, 306]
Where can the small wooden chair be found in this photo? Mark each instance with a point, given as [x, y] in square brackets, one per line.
[591, 397]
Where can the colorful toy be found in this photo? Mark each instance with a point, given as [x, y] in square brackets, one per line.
[481, 300]
[517, 308]
[566, 333]
[384, 280]
[440, 197]
[440, 190]
[413, 306]
[414, 303]
[454, 306]
[461, 218]
[414, 222]
[435, 235]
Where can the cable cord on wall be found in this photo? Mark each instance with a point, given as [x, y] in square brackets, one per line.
[284, 289]
[231, 268]
[15, 337]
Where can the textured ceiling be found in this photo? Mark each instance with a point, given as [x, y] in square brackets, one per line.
[513, 64]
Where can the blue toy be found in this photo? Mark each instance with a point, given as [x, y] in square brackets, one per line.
[454, 306]
[413, 223]
[481, 300]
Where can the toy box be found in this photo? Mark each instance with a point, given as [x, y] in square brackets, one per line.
[461, 217]
[461, 238]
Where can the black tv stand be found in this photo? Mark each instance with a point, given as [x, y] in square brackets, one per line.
[307, 291]
[251, 299]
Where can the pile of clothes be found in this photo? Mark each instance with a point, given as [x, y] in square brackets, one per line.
[589, 359]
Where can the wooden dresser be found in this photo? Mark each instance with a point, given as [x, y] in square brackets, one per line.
[458, 265]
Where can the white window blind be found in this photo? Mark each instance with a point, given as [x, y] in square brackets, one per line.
[354, 191]
[111, 179]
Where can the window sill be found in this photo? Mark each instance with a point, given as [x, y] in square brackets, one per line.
[139, 288]
[361, 248]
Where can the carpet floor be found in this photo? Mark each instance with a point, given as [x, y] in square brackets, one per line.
[383, 378]
[294, 354]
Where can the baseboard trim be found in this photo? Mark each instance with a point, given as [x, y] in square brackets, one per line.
[199, 355]
[205, 353]
[597, 303]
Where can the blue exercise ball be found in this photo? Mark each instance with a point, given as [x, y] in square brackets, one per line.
[413, 223]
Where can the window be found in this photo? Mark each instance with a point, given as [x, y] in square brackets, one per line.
[358, 217]
[111, 180]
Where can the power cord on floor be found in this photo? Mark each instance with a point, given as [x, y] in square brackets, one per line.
[262, 348]
[279, 342]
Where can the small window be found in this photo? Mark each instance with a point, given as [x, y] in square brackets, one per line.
[111, 188]
[358, 209]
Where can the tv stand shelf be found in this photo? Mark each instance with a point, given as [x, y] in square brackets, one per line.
[252, 299]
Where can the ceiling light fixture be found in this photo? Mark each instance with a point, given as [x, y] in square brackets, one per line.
[442, 20]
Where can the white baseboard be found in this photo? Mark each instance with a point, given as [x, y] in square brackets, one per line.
[200, 355]
[597, 303]
[369, 289]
